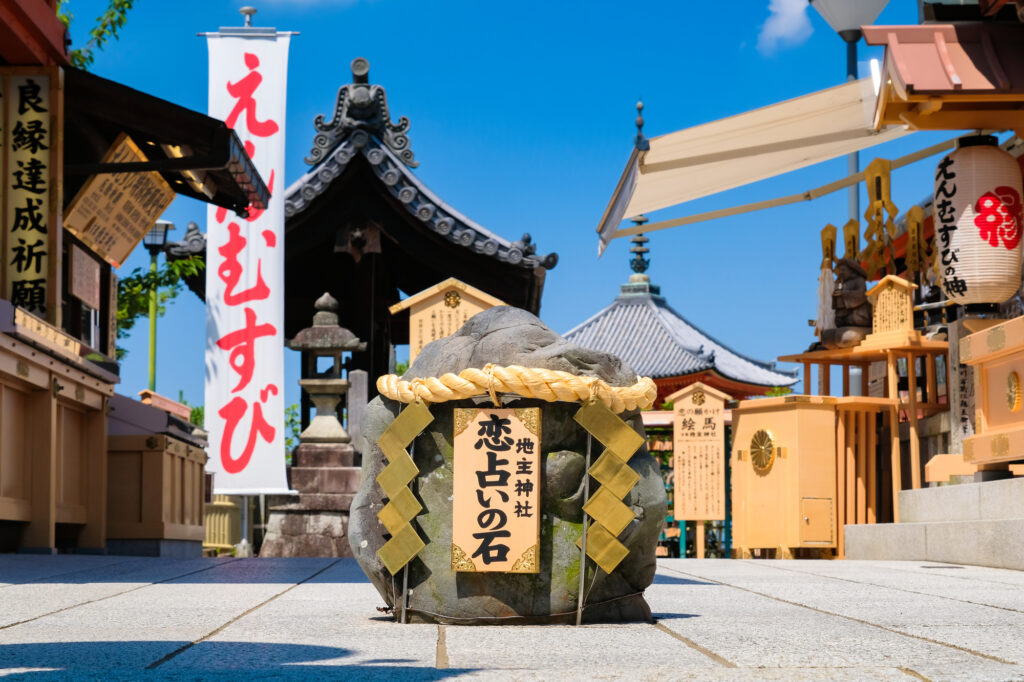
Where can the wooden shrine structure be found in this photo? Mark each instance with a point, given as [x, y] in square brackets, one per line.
[362, 226]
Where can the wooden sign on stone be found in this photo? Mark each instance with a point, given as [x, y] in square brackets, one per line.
[441, 310]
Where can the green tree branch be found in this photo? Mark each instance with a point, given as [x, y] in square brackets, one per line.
[133, 292]
[107, 26]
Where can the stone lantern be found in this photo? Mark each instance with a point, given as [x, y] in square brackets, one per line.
[325, 339]
[323, 465]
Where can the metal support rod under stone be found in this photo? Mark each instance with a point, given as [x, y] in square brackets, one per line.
[405, 569]
[583, 544]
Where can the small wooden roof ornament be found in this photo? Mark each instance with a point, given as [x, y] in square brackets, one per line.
[892, 315]
[698, 386]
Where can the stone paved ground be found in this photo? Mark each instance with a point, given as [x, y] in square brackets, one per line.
[85, 617]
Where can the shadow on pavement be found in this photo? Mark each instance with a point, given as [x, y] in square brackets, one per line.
[64, 570]
[661, 579]
[206, 660]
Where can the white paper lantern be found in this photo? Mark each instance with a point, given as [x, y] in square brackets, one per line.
[978, 219]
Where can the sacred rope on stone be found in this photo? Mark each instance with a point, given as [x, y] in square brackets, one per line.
[598, 416]
[530, 382]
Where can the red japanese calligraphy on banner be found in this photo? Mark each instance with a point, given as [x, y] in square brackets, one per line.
[245, 280]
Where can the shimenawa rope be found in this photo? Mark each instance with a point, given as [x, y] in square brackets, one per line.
[530, 382]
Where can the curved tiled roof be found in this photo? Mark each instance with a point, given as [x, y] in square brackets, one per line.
[643, 330]
[362, 124]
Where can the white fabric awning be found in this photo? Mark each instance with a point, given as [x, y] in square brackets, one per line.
[736, 151]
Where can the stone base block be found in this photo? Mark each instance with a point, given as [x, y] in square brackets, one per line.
[322, 455]
[325, 479]
[298, 532]
[993, 543]
[170, 549]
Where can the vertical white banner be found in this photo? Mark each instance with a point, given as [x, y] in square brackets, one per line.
[245, 275]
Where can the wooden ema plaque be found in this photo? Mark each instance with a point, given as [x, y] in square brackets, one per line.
[113, 211]
[698, 432]
[440, 310]
[892, 313]
[496, 490]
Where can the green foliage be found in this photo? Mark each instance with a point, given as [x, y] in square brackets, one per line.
[777, 391]
[134, 290]
[668, 405]
[197, 416]
[107, 26]
[293, 427]
[401, 368]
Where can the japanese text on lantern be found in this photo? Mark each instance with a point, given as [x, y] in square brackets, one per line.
[241, 249]
[496, 496]
[945, 212]
[28, 149]
[998, 217]
[699, 467]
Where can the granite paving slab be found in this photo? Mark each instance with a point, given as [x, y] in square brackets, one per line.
[103, 618]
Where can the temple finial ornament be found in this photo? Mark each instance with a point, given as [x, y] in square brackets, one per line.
[639, 263]
[641, 142]
[361, 109]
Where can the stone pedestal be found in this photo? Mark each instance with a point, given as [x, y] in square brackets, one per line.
[316, 523]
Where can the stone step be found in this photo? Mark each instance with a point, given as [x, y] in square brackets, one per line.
[991, 500]
[325, 479]
[313, 455]
[991, 542]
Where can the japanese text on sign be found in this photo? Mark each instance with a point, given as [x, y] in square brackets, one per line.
[245, 280]
[699, 467]
[27, 146]
[496, 502]
[114, 211]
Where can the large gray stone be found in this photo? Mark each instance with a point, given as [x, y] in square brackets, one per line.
[509, 336]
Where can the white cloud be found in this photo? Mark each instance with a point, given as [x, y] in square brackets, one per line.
[786, 26]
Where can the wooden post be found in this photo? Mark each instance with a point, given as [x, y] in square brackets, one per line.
[94, 533]
[915, 443]
[851, 467]
[930, 383]
[865, 379]
[846, 380]
[825, 378]
[840, 482]
[40, 535]
[862, 471]
[872, 482]
[807, 379]
[698, 538]
[894, 432]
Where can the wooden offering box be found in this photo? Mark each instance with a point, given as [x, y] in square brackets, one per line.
[784, 474]
[997, 353]
[156, 489]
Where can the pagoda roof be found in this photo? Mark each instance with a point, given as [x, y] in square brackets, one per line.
[362, 126]
[644, 331]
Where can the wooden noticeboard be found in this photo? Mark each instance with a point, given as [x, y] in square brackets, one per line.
[441, 310]
[496, 504]
[113, 211]
[698, 415]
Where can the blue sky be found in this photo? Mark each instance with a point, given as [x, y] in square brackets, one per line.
[522, 118]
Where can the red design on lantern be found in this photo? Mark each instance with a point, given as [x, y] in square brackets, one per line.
[999, 217]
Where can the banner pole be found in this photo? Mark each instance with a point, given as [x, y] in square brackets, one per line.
[583, 544]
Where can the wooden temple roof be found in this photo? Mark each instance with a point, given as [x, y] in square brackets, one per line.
[361, 196]
[645, 332]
